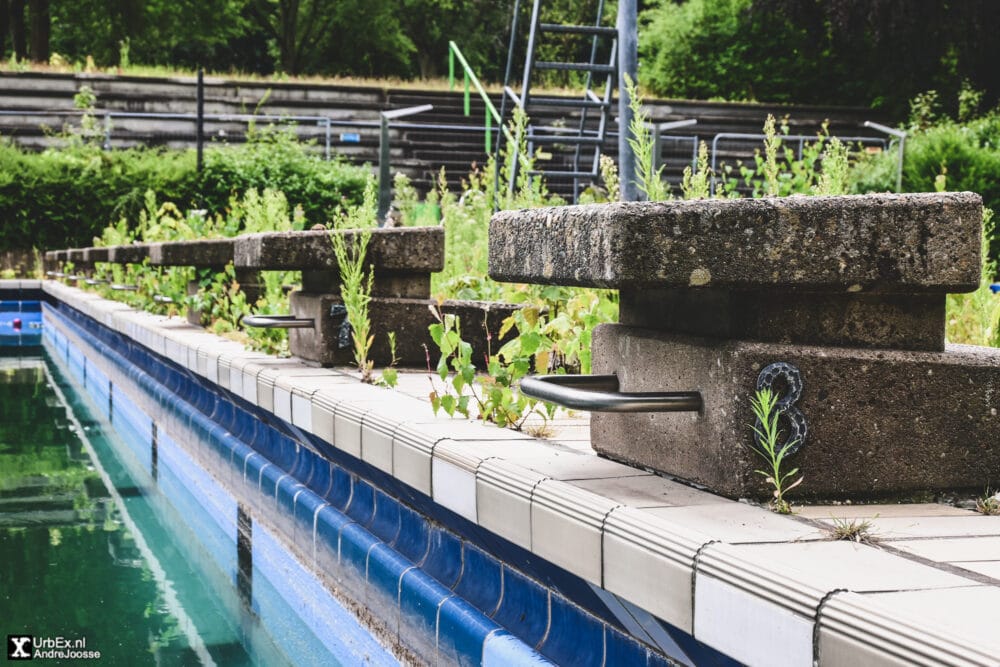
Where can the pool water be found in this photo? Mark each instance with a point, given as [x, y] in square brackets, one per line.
[91, 549]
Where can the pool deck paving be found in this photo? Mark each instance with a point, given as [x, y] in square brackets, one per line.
[923, 587]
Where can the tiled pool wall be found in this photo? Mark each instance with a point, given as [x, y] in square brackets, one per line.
[295, 606]
[424, 577]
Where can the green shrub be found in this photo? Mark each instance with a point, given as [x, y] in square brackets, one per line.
[65, 197]
[946, 156]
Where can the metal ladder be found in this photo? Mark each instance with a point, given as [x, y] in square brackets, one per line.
[578, 136]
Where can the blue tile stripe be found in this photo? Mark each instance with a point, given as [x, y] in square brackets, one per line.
[459, 631]
[468, 604]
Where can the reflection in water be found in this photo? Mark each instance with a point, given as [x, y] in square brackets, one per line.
[89, 548]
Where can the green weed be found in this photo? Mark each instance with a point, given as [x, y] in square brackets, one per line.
[649, 178]
[355, 283]
[764, 404]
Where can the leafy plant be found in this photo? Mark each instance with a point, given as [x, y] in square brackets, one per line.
[772, 142]
[650, 178]
[764, 404]
[609, 175]
[494, 395]
[351, 250]
[836, 169]
[695, 184]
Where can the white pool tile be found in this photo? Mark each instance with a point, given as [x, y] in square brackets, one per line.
[749, 628]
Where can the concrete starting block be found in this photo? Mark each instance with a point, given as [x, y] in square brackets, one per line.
[837, 303]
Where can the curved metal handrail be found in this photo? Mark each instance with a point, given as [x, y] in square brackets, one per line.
[277, 322]
[599, 393]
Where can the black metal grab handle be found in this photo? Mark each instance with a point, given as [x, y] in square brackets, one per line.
[599, 393]
[277, 322]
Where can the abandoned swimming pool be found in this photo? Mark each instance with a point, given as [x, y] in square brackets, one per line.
[454, 543]
[131, 564]
[175, 482]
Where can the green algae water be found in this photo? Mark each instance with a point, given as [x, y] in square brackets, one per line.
[94, 564]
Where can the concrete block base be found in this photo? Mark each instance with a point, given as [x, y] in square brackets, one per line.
[882, 423]
[408, 318]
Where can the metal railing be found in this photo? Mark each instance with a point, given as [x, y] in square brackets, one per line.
[492, 115]
[800, 139]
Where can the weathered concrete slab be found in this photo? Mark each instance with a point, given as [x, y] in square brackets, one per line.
[882, 423]
[208, 253]
[404, 249]
[872, 243]
[95, 254]
[134, 253]
[77, 255]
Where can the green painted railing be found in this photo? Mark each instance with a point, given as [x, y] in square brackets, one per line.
[492, 115]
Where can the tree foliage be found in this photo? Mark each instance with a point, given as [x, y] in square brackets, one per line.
[877, 53]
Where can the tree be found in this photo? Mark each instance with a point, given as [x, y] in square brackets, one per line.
[296, 26]
[41, 27]
[18, 35]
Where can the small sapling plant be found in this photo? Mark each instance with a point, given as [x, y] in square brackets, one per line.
[356, 283]
[649, 178]
[767, 445]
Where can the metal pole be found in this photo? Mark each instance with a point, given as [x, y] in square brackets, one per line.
[327, 121]
[899, 165]
[200, 121]
[628, 63]
[107, 131]
[384, 186]
[899, 134]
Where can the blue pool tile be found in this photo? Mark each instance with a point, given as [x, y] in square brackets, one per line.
[444, 557]
[302, 468]
[340, 488]
[413, 538]
[622, 650]
[462, 631]
[322, 477]
[329, 523]
[269, 477]
[524, 607]
[306, 504]
[288, 489]
[420, 596]
[362, 505]
[574, 636]
[654, 659]
[503, 649]
[355, 543]
[385, 524]
[480, 583]
[385, 567]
